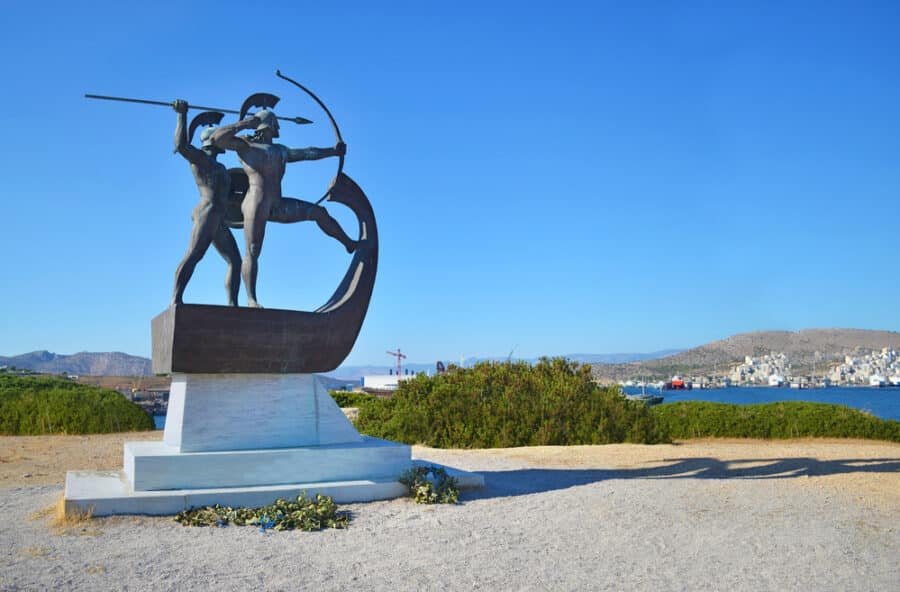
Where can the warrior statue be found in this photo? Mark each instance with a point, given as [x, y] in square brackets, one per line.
[264, 162]
[214, 185]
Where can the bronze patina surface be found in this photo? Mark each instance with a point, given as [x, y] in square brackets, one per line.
[201, 338]
[221, 339]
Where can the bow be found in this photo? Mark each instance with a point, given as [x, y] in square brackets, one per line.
[337, 131]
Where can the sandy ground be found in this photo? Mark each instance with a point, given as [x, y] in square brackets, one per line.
[698, 515]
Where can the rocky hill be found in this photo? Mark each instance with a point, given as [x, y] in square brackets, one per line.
[824, 347]
[87, 363]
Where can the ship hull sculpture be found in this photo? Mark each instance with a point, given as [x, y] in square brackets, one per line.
[248, 421]
[208, 338]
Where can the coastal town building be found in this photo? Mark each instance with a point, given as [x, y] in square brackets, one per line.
[769, 370]
[879, 368]
[876, 368]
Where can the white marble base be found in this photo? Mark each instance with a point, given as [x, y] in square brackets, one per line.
[245, 440]
[108, 493]
[155, 466]
[252, 411]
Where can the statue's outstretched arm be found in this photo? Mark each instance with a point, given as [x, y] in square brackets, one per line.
[225, 137]
[182, 146]
[297, 154]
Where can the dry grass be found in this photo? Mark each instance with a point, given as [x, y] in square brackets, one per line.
[74, 522]
[43, 514]
[71, 518]
[27, 461]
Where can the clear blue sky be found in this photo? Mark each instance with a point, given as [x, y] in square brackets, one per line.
[548, 177]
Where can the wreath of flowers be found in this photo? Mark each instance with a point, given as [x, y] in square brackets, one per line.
[431, 485]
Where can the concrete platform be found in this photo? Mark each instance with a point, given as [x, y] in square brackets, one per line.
[108, 493]
[156, 466]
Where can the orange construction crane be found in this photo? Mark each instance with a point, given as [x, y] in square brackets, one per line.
[399, 356]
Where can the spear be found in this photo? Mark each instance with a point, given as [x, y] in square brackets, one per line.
[297, 120]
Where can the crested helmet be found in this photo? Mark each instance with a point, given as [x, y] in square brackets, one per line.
[267, 119]
[206, 136]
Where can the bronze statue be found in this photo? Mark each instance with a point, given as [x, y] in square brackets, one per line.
[264, 163]
[214, 185]
[195, 338]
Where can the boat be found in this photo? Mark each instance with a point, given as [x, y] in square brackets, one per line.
[677, 384]
[877, 380]
[272, 340]
[646, 398]
[776, 380]
[895, 380]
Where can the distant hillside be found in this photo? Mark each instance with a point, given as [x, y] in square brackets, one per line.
[620, 358]
[88, 363]
[353, 373]
[825, 346]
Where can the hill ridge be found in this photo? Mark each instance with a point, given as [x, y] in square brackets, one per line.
[84, 362]
[804, 347]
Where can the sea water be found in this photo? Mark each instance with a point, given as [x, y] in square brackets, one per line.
[881, 402]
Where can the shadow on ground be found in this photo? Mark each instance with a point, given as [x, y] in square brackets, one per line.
[527, 481]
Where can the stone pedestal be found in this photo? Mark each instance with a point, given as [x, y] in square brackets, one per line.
[238, 439]
[248, 421]
[209, 412]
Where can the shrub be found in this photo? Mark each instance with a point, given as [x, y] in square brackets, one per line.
[493, 405]
[350, 398]
[789, 419]
[49, 405]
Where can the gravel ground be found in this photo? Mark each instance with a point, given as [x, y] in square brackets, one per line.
[701, 515]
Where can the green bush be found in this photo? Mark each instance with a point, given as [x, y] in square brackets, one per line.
[350, 398]
[50, 405]
[494, 405]
[789, 419]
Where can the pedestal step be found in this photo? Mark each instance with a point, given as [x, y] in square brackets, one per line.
[156, 466]
[106, 493]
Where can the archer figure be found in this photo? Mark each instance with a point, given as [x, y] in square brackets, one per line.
[264, 162]
[214, 185]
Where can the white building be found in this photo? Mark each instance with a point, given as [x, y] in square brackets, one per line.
[383, 382]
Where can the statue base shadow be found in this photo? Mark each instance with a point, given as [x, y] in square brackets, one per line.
[242, 438]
